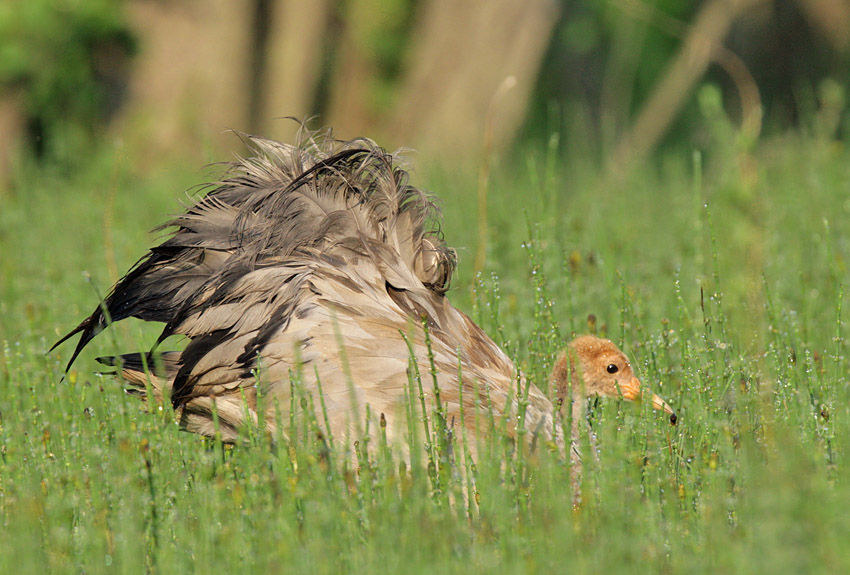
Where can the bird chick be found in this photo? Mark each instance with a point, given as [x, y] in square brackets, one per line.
[604, 370]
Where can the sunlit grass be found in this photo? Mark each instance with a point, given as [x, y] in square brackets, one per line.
[723, 278]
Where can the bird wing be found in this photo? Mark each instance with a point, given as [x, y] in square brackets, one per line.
[280, 202]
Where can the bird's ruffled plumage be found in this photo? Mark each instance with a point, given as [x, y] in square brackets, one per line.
[318, 259]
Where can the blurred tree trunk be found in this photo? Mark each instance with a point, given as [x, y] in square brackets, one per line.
[356, 106]
[459, 56]
[12, 132]
[191, 79]
[294, 55]
[832, 18]
[462, 52]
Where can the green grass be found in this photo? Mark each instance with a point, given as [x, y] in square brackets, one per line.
[724, 278]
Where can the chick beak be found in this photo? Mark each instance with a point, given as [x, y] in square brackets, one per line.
[631, 391]
[659, 404]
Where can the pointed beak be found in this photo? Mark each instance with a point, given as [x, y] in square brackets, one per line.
[631, 391]
[660, 404]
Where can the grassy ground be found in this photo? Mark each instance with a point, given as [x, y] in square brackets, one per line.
[722, 276]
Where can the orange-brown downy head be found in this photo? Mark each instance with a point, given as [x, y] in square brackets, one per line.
[606, 372]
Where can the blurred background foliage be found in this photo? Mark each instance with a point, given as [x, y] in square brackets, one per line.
[65, 64]
[617, 80]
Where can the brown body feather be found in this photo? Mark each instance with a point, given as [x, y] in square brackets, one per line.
[317, 259]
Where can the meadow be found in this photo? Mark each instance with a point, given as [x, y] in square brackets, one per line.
[722, 273]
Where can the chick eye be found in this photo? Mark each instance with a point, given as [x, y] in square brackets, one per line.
[612, 368]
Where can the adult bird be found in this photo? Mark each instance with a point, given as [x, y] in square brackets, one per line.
[320, 262]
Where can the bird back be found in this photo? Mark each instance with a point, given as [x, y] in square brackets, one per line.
[282, 204]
